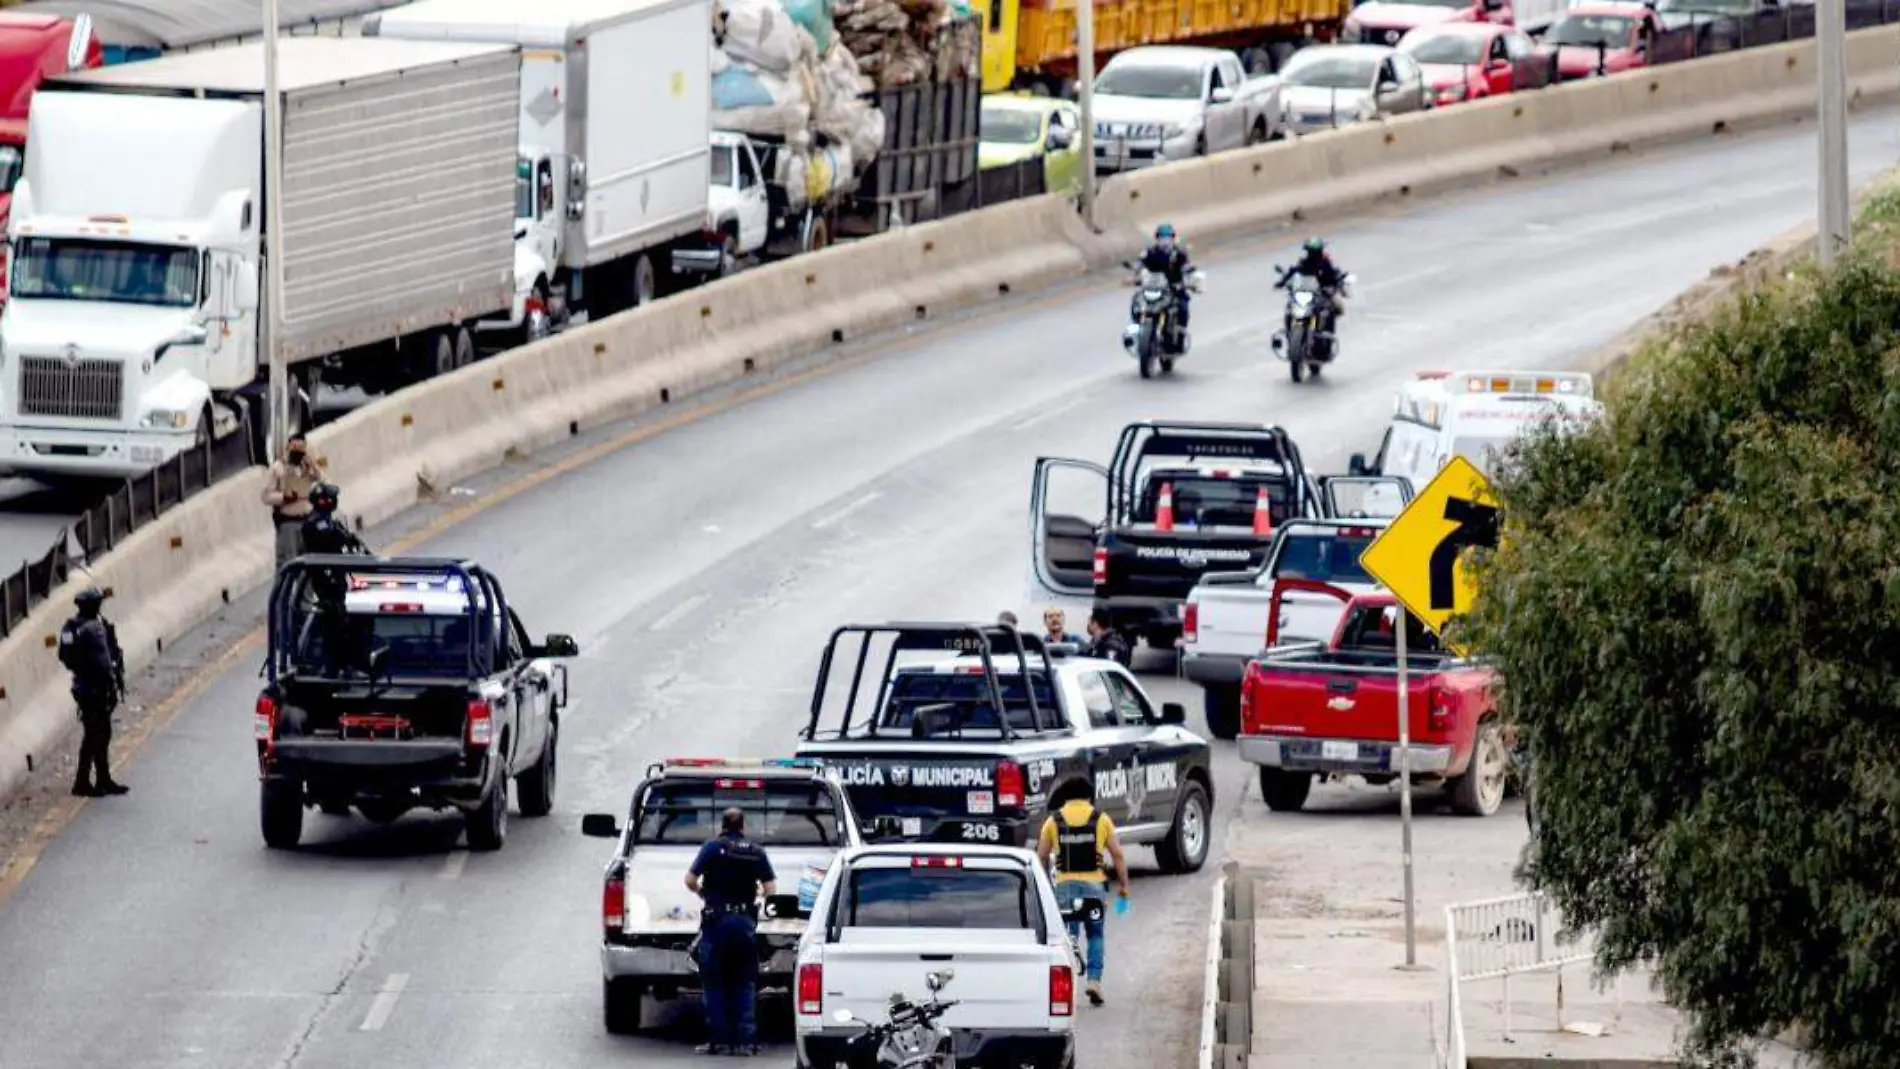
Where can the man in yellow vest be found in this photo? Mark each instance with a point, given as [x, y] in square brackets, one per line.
[1075, 838]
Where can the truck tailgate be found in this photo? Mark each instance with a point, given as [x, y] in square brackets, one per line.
[1002, 976]
[1331, 702]
[1145, 563]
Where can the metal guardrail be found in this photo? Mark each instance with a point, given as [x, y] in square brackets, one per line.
[1496, 939]
[133, 505]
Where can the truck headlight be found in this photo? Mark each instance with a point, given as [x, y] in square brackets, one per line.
[167, 418]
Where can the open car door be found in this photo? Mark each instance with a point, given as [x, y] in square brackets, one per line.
[1062, 543]
[1364, 497]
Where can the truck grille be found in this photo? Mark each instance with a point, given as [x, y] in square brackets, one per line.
[84, 389]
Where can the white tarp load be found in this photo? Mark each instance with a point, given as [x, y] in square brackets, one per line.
[774, 81]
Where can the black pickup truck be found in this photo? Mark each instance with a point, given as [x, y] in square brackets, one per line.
[1182, 500]
[946, 732]
[398, 683]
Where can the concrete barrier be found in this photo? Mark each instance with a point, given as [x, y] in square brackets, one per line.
[177, 571]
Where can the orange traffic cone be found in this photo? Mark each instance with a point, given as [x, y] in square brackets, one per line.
[1164, 509]
[1262, 514]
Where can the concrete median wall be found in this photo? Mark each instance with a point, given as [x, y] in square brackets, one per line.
[176, 572]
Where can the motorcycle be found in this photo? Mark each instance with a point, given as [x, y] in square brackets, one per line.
[1153, 334]
[1304, 342]
[910, 1037]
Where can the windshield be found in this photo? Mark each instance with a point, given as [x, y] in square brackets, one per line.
[1450, 49]
[1485, 452]
[722, 168]
[126, 272]
[1325, 558]
[1323, 69]
[954, 702]
[778, 811]
[11, 163]
[1590, 30]
[1158, 83]
[914, 897]
[1008, 126]
[1211, 502]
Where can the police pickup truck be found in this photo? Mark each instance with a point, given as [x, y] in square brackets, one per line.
[1180, 501]
[649, 920]
[968, 733]
[398, 683]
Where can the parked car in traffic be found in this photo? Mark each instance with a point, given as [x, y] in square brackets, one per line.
[1467, 60]
[1016, 128]
[1159, 104]
[1601, 38]
[1336, 85]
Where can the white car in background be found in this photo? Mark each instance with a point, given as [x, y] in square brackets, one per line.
[1327, 86]
[1162, 103]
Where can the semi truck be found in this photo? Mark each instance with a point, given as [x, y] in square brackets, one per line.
[614, 124]
[133, 332]
[33, 48]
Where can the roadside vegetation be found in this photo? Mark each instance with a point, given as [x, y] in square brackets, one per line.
[1696, 605]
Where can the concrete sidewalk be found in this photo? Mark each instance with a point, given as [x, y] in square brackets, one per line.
[1331, 989]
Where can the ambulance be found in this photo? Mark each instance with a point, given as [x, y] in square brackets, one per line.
[1474, 414]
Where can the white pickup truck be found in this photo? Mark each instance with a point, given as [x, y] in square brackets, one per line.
[1160, 103]
[1224, 623]
[888, 916]
[649, 920]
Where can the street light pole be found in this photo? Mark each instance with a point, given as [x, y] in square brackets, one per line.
[273, 238]
[1405, 784]
[1830, 33]
[1085, 92]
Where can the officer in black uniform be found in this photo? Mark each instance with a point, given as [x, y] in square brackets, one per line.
[323, 530]
[325, 533]
[89, 648]
[730, 875]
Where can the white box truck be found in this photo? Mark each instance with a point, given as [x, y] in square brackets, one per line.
[133, 331]
[616, 111]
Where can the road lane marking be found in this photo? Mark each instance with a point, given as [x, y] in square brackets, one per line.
[1050, 413]
[385, 1003]
[452, 867]
[677, 613]
[819, 525]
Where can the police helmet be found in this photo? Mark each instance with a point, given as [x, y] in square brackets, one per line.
[1315, 246]
[1165, 230]
[324, 495]
[92, 595]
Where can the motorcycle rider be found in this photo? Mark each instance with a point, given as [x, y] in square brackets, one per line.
[1316, 264]
[1168, 258]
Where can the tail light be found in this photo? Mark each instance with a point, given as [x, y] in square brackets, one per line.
[613, 905]
[1061, 991]
[1246, 698]
[266, 718]
[1191, 623]
[1009, 784]
[1440, 718]
[481, 723]
[811, 990]
[1101, 567]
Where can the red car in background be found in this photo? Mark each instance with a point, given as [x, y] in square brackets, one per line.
[1384, 22]
[1467, 60]
[1601, 38]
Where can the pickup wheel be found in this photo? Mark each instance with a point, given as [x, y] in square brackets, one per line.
[280, 811]
[1185, 848]
[1480, 791]
[1283, 791]
[487, 824]
[1221, 703]
[536, 785]
[620, 1006]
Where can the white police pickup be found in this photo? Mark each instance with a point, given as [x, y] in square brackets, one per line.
[649, 920]
[888, 916]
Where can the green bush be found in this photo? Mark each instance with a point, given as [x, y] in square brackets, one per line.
[1696, 607]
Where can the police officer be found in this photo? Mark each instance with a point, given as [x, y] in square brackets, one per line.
[89, 648]
[1076, 838]
[729, 875]
[1106, 642]
[324, 532]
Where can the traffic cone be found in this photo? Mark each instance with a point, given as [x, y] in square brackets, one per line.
[1262, 515]
[1164, 509]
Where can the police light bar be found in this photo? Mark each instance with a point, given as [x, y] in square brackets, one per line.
[1359, 532]
[738, 784]
[1571, 384]
[399, 606]
[450, 584]
[936, 862]
[740, 762]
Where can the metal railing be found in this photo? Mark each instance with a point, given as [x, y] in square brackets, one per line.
[1496, 939]
[1012, 181]
[99, 528]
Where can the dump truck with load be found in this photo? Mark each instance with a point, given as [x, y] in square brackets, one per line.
[134, 331]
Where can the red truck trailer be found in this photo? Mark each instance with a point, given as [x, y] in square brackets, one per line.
[33, 48]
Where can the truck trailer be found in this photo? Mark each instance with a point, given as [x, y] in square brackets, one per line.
[615, 115]
[134, 328]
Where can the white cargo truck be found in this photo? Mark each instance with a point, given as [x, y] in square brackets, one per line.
[615, 112]
[134, 327]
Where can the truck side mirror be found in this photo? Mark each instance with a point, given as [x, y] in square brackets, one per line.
[560, 646]
[600, 826]
[576, 188]
[1173, 713]
[1357, 464]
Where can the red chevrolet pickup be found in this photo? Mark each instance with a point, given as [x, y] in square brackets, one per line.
[1331, 709]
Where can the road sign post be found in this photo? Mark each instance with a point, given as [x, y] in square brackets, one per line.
[1420, 559]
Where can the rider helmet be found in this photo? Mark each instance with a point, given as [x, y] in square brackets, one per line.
[1165, 230]
[323, 496]
[91, 596]
[1315, 246]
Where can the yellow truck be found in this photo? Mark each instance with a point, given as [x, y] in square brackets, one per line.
[1030, 44]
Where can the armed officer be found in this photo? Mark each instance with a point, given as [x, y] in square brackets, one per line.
[730, 875]
[324, 532]
[89, 648]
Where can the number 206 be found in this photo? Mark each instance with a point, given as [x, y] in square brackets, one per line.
[988, 833]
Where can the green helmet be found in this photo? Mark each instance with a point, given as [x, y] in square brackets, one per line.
[1315, 246]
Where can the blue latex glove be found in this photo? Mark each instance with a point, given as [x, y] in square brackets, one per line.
[1121, 905]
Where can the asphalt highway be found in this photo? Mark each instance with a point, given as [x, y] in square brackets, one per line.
[702, 570]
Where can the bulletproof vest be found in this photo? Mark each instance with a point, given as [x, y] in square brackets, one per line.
[323, 535]
[1075, 844]
[69, 645]
[732, 878]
